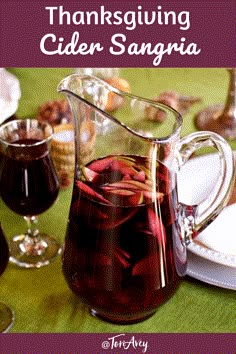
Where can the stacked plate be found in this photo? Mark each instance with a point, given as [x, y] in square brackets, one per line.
[9, 94]
[212, 255]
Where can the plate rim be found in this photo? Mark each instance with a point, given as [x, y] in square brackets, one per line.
[205, 277]
[212, 255]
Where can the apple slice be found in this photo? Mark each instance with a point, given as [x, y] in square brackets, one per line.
[139, 176]
[89, 174]
[101, 164]
[124, 197]
[91, 193]
[156, 226]
[124, 166]
[129, 184]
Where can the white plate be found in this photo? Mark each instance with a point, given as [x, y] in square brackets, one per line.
[217, 242]
[212, 256]
[210, 272]
[9, 94]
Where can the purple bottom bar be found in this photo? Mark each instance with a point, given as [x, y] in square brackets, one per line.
[117, 343]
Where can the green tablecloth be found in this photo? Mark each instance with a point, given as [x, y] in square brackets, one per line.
[40, 298]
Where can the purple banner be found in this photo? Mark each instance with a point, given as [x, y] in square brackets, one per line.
[141, 33]
[121, 343]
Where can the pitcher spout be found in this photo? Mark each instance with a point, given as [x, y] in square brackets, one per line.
[122, 108]
[89, 94]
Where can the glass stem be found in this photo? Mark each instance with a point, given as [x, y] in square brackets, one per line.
[33, 244]
[32, 222]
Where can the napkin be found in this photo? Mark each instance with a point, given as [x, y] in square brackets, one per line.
[10, 94]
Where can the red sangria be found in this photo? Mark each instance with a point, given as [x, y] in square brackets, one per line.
[29, 185]
[122, 254]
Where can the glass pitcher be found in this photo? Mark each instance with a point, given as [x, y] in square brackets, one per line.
[125, 247]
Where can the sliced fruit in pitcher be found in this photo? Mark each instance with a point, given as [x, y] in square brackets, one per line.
[91, 193]
[124, 197]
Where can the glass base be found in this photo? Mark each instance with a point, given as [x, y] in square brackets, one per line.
[125, 320]
[33, 255]
[6, 318]
[208, 119]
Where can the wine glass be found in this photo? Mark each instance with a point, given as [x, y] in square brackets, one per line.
[29, 186]
[6, 314]
[220, 118]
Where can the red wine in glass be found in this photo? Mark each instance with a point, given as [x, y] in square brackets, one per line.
[120, 254]
[29, 186]
[6, 314]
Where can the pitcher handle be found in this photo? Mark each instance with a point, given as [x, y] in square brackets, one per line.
[193, 219]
